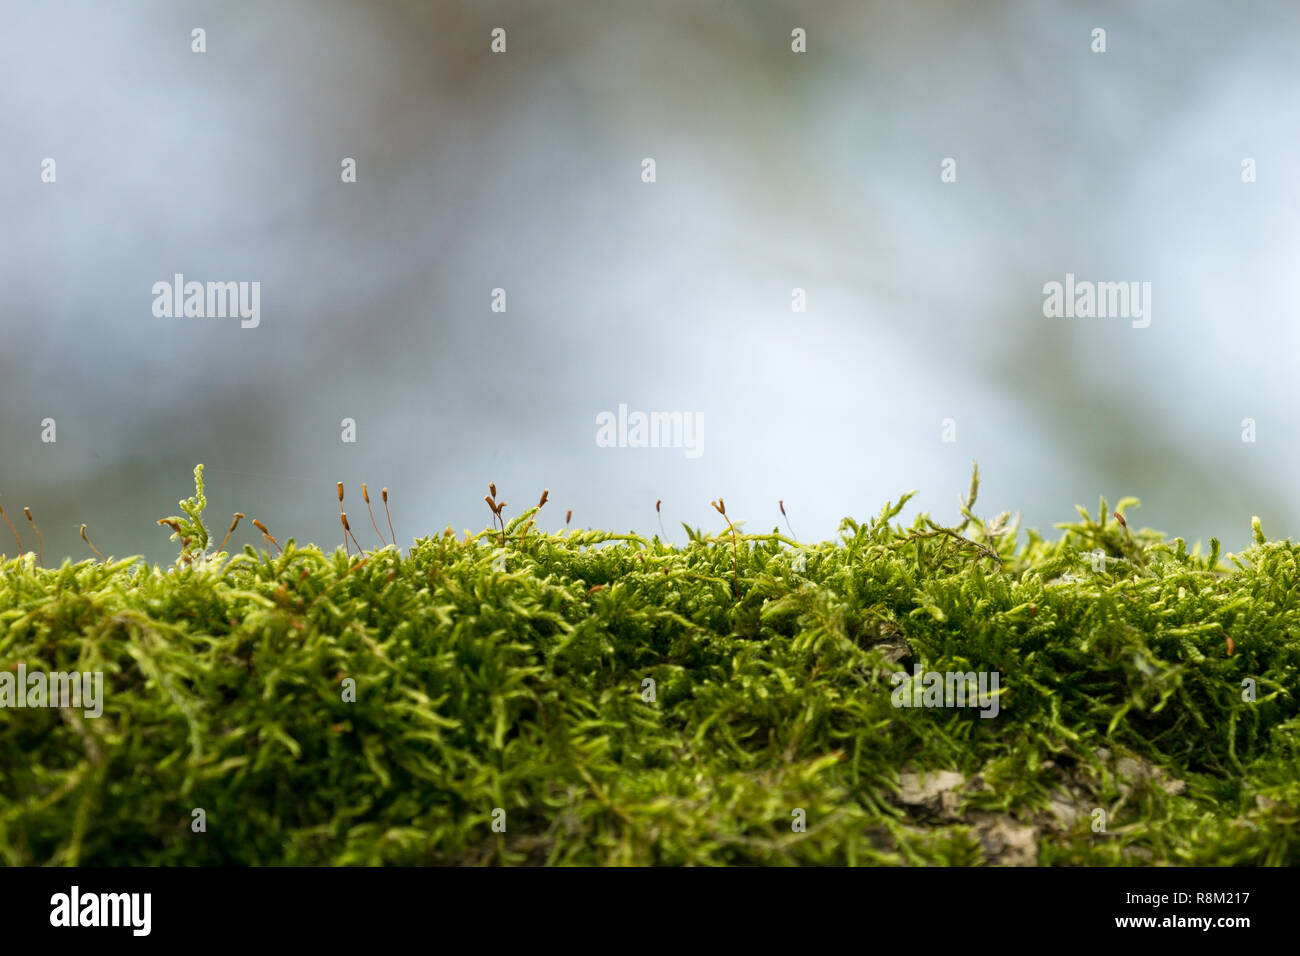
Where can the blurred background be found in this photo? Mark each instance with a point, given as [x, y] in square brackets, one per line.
[523, 171]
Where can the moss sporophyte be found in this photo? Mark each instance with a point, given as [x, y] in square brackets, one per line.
[909, 693]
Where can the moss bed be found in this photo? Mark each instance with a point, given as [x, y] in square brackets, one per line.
[520, 697]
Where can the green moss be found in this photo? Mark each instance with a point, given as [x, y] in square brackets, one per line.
[521, 686]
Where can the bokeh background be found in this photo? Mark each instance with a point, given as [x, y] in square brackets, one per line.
[523, 171]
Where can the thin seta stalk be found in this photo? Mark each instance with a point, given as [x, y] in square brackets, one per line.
[40, 554]
[721, 508]
[13, 529]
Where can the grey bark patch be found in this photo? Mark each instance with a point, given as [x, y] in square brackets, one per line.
[935, 790]
[1005, 841]
[1131, 772]
[893, 651]
[1066, 808]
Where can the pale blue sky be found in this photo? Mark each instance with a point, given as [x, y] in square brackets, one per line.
[522, 171]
